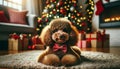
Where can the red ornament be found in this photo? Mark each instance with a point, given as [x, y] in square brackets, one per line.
[72, 16]
[43, 16]
[83, 24]
[47, 2]
[60, 3]
[46, 20]
[33, 47]
[54, 12]
[62, 11]
[78, 14]
[75, 5]
[39, 20]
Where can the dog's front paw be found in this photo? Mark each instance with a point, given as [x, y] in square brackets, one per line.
[51, 59]
[69, 59]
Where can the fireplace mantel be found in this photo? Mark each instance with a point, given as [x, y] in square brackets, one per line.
[111, 12]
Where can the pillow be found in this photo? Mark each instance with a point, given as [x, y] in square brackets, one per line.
[17, 17]
[3, 18]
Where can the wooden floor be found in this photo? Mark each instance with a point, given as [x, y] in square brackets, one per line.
[113, 50]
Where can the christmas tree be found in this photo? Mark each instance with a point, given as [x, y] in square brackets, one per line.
[68, 9]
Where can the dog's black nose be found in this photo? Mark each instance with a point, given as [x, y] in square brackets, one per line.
[62, 37]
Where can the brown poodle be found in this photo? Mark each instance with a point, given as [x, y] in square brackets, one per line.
[60, 38]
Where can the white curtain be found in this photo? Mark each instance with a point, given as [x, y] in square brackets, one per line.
[33, 6]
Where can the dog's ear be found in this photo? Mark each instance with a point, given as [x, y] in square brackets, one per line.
[46, 36]
[73, 36]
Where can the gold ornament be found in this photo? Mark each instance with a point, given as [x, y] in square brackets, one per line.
[55, 17]
[90, 12]
[37, 29]
[87, 10]
[89, 16]
[81, 18]
[47, 15]
[40, 25]
[75, 18]
[50, 16]
[77, 23]
[58, 10]
[39, 18]
[48, 6]
[51, 12]
[29, 35]
[65, 7]
[88, 28]
[80, 25]
[74, 1]
[92, 8]
[75, 11]
[78, 20]
[69, 15]
[70, 2]
[84, 18]
[68, 6]
[81, 7]
[65, 2]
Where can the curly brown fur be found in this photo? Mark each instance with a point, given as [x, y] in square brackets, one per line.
[60, 31]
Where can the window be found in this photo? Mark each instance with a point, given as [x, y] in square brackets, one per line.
[16, 4]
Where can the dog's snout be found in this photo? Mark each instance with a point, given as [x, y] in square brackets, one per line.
[62, 36]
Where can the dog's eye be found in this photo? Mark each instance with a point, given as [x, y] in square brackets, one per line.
[55, 30]
[66, 30]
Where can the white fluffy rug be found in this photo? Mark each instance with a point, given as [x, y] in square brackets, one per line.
[90, 60]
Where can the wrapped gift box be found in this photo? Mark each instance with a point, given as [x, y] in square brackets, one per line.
[106, 41]
[24, 43]
[98, 40]
[81, 36]
[83, 44]
[36, 40]
[16, 44]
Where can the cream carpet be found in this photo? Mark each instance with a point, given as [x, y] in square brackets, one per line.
[90, 60]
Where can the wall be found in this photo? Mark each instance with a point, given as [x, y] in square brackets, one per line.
[114, 32]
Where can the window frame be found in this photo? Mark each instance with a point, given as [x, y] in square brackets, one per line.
[11, 4]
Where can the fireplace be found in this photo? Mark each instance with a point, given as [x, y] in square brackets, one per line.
[110, 17]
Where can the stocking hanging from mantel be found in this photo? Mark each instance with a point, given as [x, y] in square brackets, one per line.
[100, 7]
